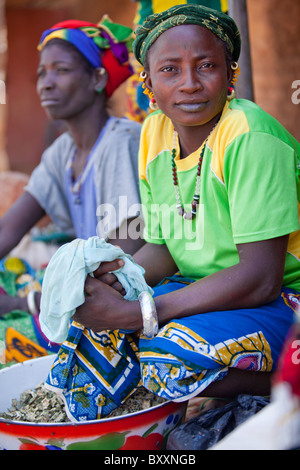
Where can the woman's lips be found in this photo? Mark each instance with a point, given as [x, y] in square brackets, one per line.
[191, 107]
[48, 102]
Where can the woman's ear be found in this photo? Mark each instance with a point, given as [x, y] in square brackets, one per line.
[148, 83]
[233, 73]
[101, 78]
[230, 73]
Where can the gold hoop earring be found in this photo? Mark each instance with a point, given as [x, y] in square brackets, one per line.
[152, 104]
[143, 75]
[236, 72]
[231, 94]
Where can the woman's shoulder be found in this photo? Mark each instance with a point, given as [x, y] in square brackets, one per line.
[254, 118]
[244, 118]
[117, 125]
[64, 142]
[159, 125]
[155, 118]
[58, 152]
[156, 139]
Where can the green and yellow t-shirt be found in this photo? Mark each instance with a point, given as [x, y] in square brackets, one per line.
[249, 190]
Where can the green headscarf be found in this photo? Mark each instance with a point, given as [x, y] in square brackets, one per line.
[217, 22]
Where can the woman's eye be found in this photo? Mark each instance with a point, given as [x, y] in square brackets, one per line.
[168, 68]
[207, 65]
[63, 69]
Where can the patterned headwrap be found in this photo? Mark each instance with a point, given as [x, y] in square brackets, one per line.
[105, 44]
[217, 22]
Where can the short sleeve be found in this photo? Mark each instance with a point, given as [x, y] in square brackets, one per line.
[151, 216]
[46, 183]
[116, 176]
[260, 177]
[151, 212]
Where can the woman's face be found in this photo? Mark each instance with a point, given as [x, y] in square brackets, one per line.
[188, 75]
[65, 86]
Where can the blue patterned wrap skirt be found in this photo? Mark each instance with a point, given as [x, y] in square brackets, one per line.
[97, 372]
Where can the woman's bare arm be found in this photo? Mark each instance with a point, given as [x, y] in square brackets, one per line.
[255, 280]
[17, 221]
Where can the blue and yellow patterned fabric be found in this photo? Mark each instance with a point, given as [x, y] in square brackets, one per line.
[97, 372]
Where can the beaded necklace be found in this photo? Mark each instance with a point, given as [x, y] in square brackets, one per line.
[195, 203]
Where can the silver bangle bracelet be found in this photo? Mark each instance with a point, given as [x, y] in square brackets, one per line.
[149, 314]
[32, 307]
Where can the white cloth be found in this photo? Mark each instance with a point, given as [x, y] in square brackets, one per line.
[64, 279]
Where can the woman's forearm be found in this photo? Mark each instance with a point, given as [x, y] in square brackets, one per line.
[17, 221]
[255, 280]
[224, 290]
[8, 241]
[157, 262]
